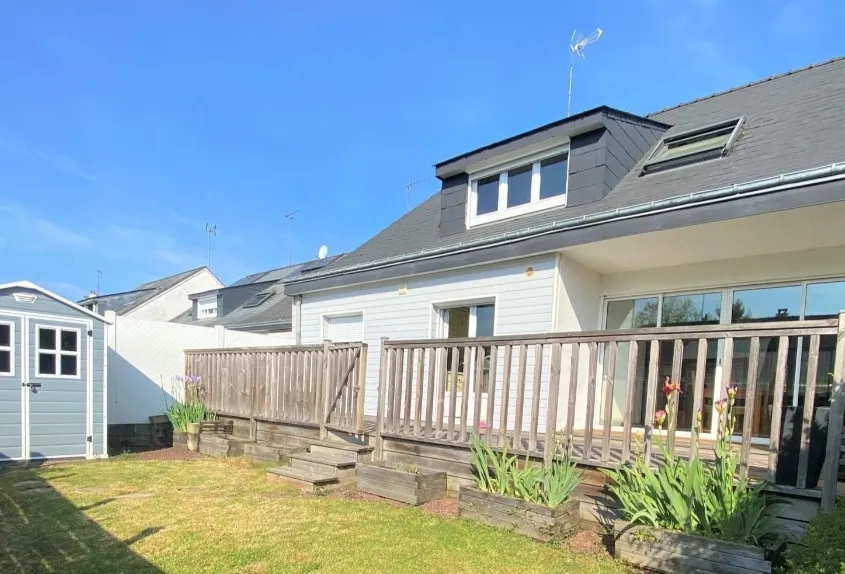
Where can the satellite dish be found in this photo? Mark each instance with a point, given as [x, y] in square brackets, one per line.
[324, 250]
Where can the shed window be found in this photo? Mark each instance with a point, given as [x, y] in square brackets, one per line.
[58, 352]
[693, 146]
[6, 365]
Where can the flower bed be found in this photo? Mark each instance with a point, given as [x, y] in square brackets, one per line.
[404, 483]
[672, 552]
[527, 518]
[692, 515]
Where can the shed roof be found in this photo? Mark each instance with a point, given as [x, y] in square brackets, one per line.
[54, 296]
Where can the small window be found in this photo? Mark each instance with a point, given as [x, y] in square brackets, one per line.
[524, 186]
[693, 146]
[6, 365]
[58, 352]
[257, 300]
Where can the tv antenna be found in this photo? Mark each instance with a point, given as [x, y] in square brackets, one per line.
[209, 231]
[99, 276]
[289, 217]
[409, 186]
[577, 44]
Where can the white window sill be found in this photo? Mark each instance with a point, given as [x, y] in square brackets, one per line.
[517, 211]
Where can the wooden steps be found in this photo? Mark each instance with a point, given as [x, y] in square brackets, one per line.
[214, 445]
[323, 464]
[304, 480]
[265, 453]
[329, 464]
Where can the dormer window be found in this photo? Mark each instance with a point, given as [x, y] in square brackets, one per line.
[207, 307]
[693, 146]
[519, 187]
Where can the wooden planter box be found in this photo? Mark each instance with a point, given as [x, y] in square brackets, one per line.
[383, 479]
[677, 553]
[180, 439]
[534, 520]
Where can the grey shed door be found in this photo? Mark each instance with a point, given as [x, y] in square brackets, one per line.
[58, 392]
[11, 391]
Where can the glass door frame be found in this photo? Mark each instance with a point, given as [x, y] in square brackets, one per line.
[727, 293]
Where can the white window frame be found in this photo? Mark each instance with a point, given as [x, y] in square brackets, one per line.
[57, 351]
[10, 349]
[535, 204]
[207, 307]
[324, 321]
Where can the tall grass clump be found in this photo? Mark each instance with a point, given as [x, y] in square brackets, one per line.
[500, 473]
[191, 408]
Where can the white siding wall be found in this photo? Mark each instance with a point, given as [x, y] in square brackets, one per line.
[175, 301]
[524, 304]
[144, 356]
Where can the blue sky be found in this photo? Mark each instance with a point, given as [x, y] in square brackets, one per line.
[126, 126]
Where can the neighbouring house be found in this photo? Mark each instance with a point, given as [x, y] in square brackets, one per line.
[158, 300]
[722, 210]
[256, 303]
[53, 387]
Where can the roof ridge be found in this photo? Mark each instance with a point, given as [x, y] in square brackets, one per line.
[749, 85]
[165, 278]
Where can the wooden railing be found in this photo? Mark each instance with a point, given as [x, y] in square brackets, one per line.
[596, 393]
[317, 385]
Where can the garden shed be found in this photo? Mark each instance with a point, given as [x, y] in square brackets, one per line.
[52, 376]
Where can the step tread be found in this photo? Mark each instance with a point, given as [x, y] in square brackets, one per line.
[304, 475]
[322, 459]
[359, 448]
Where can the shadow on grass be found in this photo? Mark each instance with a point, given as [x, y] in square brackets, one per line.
[42, 531]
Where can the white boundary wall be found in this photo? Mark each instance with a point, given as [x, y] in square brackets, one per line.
[144, 356]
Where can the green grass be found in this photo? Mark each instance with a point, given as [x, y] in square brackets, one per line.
[227, 518]
[823, 549]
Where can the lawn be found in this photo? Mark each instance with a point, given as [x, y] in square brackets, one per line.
[216, 515]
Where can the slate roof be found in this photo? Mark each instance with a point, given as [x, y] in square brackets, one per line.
[793, 121]
[123, 302]
[274, 313]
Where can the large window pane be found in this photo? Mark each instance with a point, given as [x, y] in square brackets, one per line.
[487, 195]
[484, 320]
[553, 173]
[5, 335]
[5, 361]
[632, 313]
[47, 339]
[825, 300]
[766, 373]
[767, 304]
[519, 186]
[702, 308]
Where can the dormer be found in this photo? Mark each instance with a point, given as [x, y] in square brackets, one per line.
[567, 163]
[206, 306]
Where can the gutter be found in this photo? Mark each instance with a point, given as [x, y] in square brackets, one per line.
[831, 172]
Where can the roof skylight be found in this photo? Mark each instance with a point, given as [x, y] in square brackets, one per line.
[694, 146]
[257, 299]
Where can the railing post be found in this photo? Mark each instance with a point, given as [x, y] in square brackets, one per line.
[382, 390]
[835, 422]
[362, 388]
[327, 386]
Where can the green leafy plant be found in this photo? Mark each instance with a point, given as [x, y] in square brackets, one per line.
[191, 409]
[693, 496]
[822, 551]
[500, 472]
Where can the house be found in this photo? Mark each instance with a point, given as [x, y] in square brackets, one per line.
[256, 303]
[52, 376]
[722, 210]
[159, 300]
